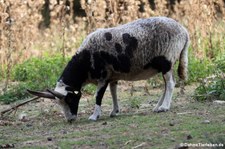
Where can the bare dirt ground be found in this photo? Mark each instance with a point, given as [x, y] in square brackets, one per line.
[40, 124]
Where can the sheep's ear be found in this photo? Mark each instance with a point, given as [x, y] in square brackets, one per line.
[41, 94]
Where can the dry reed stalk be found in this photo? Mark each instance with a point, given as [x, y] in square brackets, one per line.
[9, 23]
[2, 7]
[63, 24]
[161, 8]
[89, 7]
[200, 16]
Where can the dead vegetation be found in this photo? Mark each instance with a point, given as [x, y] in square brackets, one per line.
[33, 28]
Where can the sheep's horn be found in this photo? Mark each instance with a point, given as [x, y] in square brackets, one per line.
[42, 94]
[56, 94]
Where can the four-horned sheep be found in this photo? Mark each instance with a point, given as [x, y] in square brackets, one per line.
[134, 51]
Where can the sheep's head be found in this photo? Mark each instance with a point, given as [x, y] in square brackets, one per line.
[65, 96]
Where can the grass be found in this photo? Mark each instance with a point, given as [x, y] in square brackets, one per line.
[132, 128]
[35, 73]
[213, 86]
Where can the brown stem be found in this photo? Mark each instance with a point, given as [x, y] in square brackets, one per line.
[18, 105]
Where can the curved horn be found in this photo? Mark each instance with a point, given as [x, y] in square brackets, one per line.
[41, 94]
[56, 94]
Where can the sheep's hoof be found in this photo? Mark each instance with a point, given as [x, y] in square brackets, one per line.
[94, 117]
[71, 118]
[114, 113]
[160, 109]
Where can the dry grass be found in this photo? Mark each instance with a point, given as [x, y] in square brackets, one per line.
[26, 37]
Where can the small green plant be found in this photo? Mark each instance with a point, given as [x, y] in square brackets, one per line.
[45, 69]
[213, 87]
[199, 68]
[220, 63]
[155, 81]
[135, 103]
[89, 89]
[15, 92]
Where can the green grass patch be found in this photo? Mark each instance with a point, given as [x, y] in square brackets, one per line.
[213, 86]
[36, 74]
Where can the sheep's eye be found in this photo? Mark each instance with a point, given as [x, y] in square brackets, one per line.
[76, 92]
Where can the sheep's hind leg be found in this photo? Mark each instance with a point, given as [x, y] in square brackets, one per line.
[113, 90]
[160, 101]
[164, 103]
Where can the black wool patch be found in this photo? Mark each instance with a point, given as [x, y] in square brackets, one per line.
[131, 44]
[125, 64]
[111, 60]
[126, 38]
[160, 63]
[99, 66]
[108, 36]
[76, 71]
[100, 94]
[120, 63]
[118, 47]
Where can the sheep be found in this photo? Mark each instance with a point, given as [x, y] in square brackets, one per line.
[134, 51]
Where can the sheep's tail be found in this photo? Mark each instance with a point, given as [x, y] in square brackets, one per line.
[183, 61]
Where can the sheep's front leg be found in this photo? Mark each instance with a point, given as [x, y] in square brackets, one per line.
[164, 103]
[113, 90]
[99, 95]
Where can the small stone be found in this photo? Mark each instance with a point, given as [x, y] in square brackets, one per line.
[206, 122]
[189, 137]
[219, 102]
[105, 123]
[29, 125]
[23, 117]
[173, 140]
[172, 123]
[49, 138]
[102, 143]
